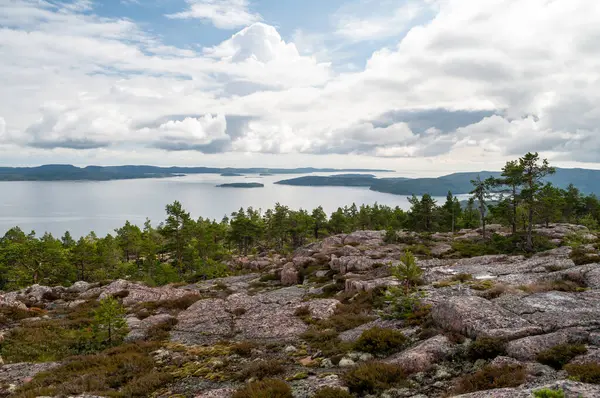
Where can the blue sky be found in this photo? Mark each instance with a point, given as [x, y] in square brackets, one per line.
[433, 86]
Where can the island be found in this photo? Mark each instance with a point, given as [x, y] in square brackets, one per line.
[242, 185]
[67, 172]
[266, 174]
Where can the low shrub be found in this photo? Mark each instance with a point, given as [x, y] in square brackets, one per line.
[261, 370]
[302, 312]
[491, 377]
[371, 377]
[124, 371]
[160, 331]
[9, 315]
[486, 348]
[326, 341]
[548, 393]
[462, 278]
[380, 341]
[581, 256]
[332, 392]
[585, 372]
[270, 388]
[495, 291]
[243, 348]
[558, 356]
[268, 277]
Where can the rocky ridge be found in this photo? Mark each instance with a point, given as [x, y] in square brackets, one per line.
[530, 303]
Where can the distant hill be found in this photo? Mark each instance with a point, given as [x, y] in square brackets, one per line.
[101, 173]
[588, 181]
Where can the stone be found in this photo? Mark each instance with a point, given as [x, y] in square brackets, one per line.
[290, 275]
[290, 349]
[79, 287]
[359, 285]
[137, 293]
[528, 348]
[322, 308]
[475, 316]
[424, 356]
[268, 316]
[217, 393]
[366, 238]
[138, 329]
[346, 363]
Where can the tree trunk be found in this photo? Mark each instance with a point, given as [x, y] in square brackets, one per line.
[530, 229]
[514, 209]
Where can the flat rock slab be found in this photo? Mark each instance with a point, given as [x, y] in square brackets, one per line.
[265, 316]
[556, 310]
[571, 389]
[528, 348]
[475, 316]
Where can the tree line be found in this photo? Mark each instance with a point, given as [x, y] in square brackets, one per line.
[185, 249]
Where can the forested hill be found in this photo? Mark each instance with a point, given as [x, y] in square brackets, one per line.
[99, 173]
[588, 181]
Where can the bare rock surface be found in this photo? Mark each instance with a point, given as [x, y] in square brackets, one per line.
[424, 356]
[571, 389]
[476, 316]
[265, 316]
[528, 348]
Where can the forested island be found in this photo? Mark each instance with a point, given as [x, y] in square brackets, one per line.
[499, 298]
[107, 173]
[587, 181]
[242, 185]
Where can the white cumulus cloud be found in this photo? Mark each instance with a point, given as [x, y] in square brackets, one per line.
[223, 14]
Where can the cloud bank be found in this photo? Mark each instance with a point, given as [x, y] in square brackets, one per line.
[463, 78]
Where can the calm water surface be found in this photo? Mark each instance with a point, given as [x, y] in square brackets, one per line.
[81, 207]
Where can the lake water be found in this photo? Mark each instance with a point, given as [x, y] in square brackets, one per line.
[81, 207]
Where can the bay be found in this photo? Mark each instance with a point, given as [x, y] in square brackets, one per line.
[84, 206]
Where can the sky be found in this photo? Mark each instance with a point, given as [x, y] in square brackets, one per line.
[422, 86]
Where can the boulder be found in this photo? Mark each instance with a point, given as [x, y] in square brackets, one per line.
[365, 238]
[138, 329]
[79, 287]
[136, 293]
[290, 275]
[475, 316]
[528, 348]
[359, 285]
[424, 356]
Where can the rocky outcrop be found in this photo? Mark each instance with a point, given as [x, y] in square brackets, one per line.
[134, 293]
[15, 374]
[528, 348]
[265, 316]
[290, 275]
[476, 316]
[424, 356]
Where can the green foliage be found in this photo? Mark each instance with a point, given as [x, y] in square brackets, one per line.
[407, 271]
[380, 341]
[491, 377]
[261, 370]
[124, 371]
[332, 392]
[372, 377]
[270, 388]
[109, 321]
[548, 393]
[52, 340]
[558, 356]
[585, 372]
[486, 348]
